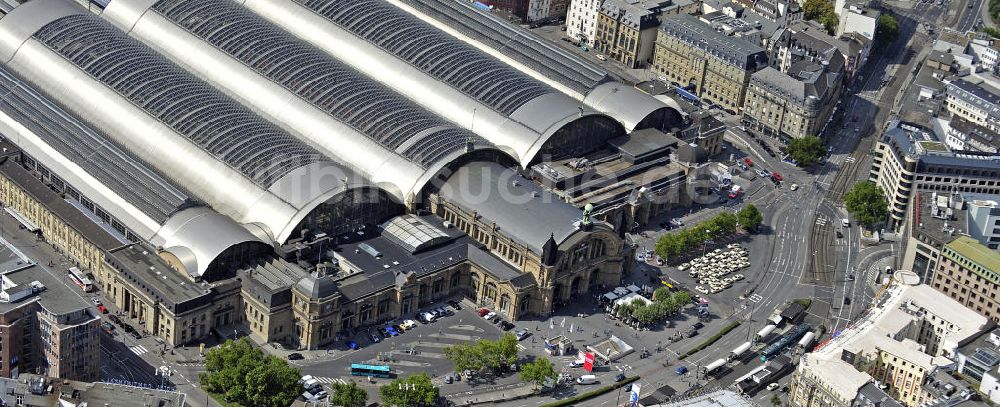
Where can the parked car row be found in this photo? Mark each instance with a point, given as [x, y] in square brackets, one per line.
[313, 390]
[377, 333]
[495, 319]
[126, 327]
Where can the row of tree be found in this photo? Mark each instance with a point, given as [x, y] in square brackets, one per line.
[723, 224]
[664, 305]
[484, 354]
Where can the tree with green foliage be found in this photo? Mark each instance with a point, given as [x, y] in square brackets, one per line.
[887, 30]
[669, 246]
[806, 150]
[538, 371]
[465, 356]
[821, 11]
[830, 22]
[866, 203]
[347, 395]
[813, 9]
[483, 353]
[661, 294]
[243, 374]
[682, 298]
[750, 218]
[623, 310]
[414, 390]
[776, 400]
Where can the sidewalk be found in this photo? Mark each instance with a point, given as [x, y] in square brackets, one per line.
[490, 396]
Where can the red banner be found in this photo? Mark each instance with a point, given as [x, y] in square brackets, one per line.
[588, 361]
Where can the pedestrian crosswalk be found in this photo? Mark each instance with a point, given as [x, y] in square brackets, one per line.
[821, 221]
[330, 380]
[138, 349]
[521, 347]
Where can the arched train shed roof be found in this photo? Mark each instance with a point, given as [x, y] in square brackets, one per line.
[515, 112]
[356, 120]
[218, 150]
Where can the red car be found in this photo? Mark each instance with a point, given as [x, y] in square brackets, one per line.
[483, 311]
[776, 176]
[103, 309]
[748, 161]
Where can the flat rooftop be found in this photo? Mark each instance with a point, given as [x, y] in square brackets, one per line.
[377, 262]
[77, 220]
[932, 220]
[58, 298]
[146, 269]
[971, 249]
[34, 393]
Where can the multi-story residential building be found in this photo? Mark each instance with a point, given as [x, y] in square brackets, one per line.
[40, 391]
[779, 11]
[986, 53]
[977, 103]
[45, 328]
[796, 95]
[581, 20]
[961, 134]
[969, 272]
[903, 343]
[980, 361]
[529, 10]
[715, 67]
[909, 158]
[858, 19]
[626, 29]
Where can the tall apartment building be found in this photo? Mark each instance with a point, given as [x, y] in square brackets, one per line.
[909, 158]
[969, 272]
[530, 10]
[717, 68]
[858, 19]
[795, 96]
[904, 344]
[581, 20]
[45, 328]
[977, 103]
[626, 29]
[961, 134]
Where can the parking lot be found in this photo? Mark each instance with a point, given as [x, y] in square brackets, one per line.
[417, 349]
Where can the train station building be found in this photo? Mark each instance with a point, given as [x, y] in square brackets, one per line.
[275, 184]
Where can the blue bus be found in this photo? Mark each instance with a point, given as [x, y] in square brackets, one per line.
[358, 369]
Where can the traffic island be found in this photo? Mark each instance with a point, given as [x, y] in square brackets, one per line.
[572, 401]
[708, 342]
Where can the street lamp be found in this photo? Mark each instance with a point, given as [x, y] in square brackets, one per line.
[704, 244]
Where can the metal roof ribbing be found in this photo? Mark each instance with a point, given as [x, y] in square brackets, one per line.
[230, 132]
[439, 55]
[352, 98]
[100, 157]
[514, 42]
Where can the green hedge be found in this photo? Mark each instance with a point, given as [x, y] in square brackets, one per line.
[708, 342]
[805, 302]
[591, 394]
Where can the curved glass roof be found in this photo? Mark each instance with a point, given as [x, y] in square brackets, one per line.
[514, 42]
[229, 131]
[414, 233]
[101, 158]
[351, 97]
[437, 54]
